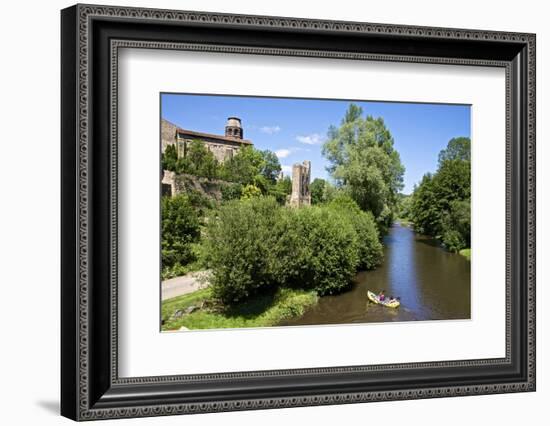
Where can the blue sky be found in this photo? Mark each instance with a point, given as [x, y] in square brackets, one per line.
[295, 129]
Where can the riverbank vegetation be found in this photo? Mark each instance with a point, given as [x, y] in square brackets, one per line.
[255, 245]
[467, 253]
[440, 204]
[199, 310]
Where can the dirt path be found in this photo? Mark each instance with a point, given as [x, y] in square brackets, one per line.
[186, 284]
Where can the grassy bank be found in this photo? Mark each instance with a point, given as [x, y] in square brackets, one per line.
[262, 311]
[466, 253]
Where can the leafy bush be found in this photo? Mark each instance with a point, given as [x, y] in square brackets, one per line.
[369, 245]
[255, 245]
[281, 190]
[251, 191]
[240, 245]
[231, 191]
[440, 204]
[180, 227]
[455, 224]
[317, 189]
[318, 249]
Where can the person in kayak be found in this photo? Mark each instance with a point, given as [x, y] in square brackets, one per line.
[381, 296]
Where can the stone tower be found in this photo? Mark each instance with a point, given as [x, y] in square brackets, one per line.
[233, 128]
[300, 195]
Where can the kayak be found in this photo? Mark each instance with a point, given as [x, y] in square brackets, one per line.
[387, 303]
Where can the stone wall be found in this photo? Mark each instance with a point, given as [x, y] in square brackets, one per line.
[301, 175]
[167, 134]
[222, 151]
[174, 184]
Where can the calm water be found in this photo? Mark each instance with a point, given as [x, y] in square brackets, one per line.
[432, 284]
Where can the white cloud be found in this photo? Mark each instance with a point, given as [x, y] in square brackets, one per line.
[282, 153]
[286, 169]
[311, 139]
[270, 130]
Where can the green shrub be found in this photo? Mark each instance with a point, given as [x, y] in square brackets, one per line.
[455, 224]
[231, 191]
[180, 227]
[255, 245]
[240, 245]
[251, 191]
[453, 240]
[318, 249]
[370, 250]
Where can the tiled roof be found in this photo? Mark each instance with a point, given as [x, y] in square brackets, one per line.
[211, 136]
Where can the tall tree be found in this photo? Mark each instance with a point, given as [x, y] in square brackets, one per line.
[440, 204]
[457, 149]
[169, 158]
[198, 161]
[271, 167]
[363, 161]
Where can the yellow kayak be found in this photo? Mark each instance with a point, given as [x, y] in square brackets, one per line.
[389, 303]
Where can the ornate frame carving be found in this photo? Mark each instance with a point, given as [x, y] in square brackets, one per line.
[91, 388]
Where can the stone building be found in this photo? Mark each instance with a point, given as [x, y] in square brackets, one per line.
[301, 175]
[222, 146]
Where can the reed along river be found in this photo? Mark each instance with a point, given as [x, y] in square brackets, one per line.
[432, 283]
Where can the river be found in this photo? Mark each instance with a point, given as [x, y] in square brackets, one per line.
[432, 283]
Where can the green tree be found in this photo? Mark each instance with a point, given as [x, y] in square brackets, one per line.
[244, 166]
[180, 227]
[271, 167]
[198, 161]
[251, 191]
[457, 149]
[169, 158]
[231, 191]
[364, 162]
[281, 190]
[318, 249]
[239, 243]
[369, 247]
[317, 189]
[440, 204]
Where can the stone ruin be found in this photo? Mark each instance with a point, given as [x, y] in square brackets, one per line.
[301, 174]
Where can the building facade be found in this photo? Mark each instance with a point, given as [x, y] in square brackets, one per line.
[222, 146]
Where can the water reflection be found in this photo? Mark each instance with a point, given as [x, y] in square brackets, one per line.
[432, 284]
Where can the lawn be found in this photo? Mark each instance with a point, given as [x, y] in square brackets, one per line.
[198, 310]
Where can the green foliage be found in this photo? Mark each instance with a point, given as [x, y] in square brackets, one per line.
[440, 204]
[261, 311]
[231, 191]
[251, 191]
[317, 189]
[457, 149]
[455, 224]
[180, 227]
[254, 245]
[404, 206]
[364, 162]
[169, 158]
[281, 190]
[198, 161]
[318, 249]
[239, 245]
[467, 253]
[270, 167]
[369, 245]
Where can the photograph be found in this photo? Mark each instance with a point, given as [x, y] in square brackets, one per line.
[308, 212]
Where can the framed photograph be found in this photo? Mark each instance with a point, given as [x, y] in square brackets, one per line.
[263, 212]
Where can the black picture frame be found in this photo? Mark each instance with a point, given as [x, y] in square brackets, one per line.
[90, 386]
